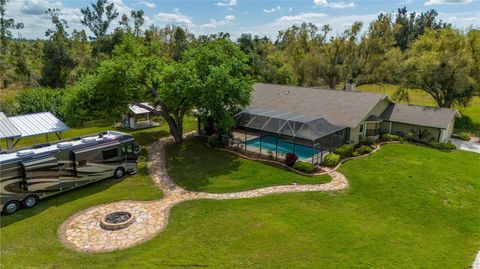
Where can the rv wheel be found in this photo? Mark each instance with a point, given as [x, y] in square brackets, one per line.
[30, 201]
[11, 207]
[119, 172]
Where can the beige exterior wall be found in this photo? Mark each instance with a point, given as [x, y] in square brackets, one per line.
[355, 134]
[446, 134]
[407, 128]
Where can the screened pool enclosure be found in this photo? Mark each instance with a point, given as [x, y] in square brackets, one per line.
[275, 133]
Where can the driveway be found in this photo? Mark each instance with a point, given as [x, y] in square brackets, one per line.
[466, 145]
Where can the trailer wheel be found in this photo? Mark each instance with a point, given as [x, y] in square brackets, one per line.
[119, 172]
[30, 201]
[11, 207]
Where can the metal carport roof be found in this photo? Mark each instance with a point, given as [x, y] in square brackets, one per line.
[37, 124]
[7, 129]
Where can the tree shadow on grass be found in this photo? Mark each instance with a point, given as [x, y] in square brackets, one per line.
[143, 137]
[192, 163]
[71, 197]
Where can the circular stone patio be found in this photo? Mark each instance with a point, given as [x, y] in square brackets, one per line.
[82, 231]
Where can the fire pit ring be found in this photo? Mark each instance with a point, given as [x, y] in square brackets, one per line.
[117, 220]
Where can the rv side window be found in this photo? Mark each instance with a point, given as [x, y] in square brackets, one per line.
[127, 149]
[111, 153]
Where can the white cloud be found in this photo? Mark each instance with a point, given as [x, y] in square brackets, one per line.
[226, 3]
[176, 18]
[32, 14]
[229, 18]
[336, 5]
[342, 5]
[271, 10]
[148, 4]
[214, 23]
[447, 2]
[302, 17]
[461, 19]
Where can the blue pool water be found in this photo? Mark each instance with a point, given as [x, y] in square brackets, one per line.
[268, 143]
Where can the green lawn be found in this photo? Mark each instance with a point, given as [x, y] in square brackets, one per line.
[197, 167]
[407, 207]
[419, 97]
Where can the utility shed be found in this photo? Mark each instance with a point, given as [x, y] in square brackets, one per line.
[138, 117]
[17, 127]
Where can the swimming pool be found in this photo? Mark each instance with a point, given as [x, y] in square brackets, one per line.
[269, 143]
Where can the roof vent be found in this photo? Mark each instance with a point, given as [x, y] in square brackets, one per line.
[88, 139]
[25, 152]
[63, 145]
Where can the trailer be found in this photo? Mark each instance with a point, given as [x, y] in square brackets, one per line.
[28, 175]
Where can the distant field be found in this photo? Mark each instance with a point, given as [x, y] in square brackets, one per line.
[419, 97]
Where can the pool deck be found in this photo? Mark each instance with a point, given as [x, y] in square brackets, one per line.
[254, 149]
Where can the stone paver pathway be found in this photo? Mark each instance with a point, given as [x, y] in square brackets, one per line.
[82, 231]
[476, 262]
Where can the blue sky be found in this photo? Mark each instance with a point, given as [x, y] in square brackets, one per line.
[238, 16]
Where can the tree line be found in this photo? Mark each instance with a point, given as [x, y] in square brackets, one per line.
[88, 77]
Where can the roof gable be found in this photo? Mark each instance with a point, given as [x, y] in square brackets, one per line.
[342, 108]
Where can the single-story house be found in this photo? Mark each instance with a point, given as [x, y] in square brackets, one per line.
[326, 118]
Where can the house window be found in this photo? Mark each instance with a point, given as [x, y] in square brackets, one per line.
[372, 129]
[111, 153]
[361, 128]
[82, 163]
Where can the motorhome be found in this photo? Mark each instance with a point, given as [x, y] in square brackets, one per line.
[28, 175]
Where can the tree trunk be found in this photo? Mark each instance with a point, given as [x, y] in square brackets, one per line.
[175, 124]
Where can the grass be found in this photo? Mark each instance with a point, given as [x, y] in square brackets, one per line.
[419, 97]
[403, 216]
[36, 228]
[197, 167]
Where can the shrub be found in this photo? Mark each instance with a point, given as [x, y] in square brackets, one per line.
[331, 159]
[390, 137]
[40, 100]
[465, 122]
[356, 154]
[344, 151]
[290, 159]
[215, 141]
[464, 136]
[442, 146]
[304, 166]
[364, 150]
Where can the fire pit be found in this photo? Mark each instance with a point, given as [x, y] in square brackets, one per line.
[117, 220]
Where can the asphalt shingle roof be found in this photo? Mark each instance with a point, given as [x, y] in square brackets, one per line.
[420, 115]
[342, 108]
